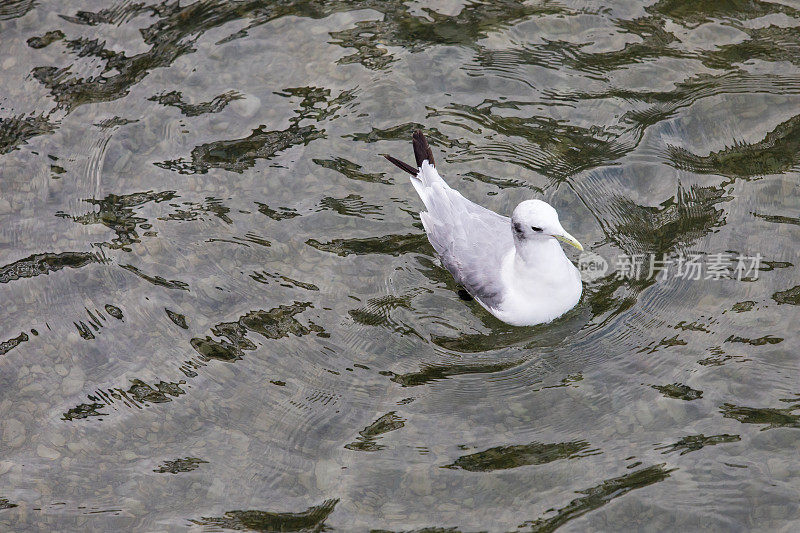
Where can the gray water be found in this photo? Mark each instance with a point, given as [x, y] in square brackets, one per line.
[219, 310]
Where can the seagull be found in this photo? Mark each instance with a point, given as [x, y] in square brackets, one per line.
[514, 267]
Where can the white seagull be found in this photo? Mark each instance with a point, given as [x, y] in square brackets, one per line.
[514, 267]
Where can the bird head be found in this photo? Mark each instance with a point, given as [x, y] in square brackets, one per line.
[535, 219]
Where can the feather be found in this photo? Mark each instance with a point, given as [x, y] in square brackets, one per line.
[403, 166]
[422, 151]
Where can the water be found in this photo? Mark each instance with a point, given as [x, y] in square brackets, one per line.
[219, 310]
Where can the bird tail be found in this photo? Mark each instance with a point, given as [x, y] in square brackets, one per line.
[422, 152]
[425, 174]
[421, 149]
[432, 189]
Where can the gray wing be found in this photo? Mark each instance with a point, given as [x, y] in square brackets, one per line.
[470, 239]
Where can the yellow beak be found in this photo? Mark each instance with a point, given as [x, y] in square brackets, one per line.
[569, 239]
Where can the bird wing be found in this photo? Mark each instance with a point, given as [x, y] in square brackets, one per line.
[470, 239]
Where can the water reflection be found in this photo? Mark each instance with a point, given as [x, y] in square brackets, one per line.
[240, 154]
[273, 324]
[367, 438]
[312, 519]
[352, 170]
[229, 206]
[692, 443]
[14, 131]
[386, 244]
[598, 496]
[185, 464]
[777, 152]
[535, 453]
[276, 323]
[789, 296]
[13, 342]
[215, 105]
[96, 321]
[157, 280]
[138, 395]
[5, 504]
[117, 212]
[38, 264]
[770, 417]
[555, 149]
[679, 391]
[705, 11]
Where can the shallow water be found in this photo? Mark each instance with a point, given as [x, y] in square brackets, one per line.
[219, 310]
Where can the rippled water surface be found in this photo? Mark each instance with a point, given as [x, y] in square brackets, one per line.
[219, 311]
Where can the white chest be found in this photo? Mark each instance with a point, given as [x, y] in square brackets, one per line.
[539, 293]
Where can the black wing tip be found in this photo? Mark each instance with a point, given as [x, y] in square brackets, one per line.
[400, 164]
[422, 150]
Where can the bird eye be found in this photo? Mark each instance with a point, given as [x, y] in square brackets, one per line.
[534, 228]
